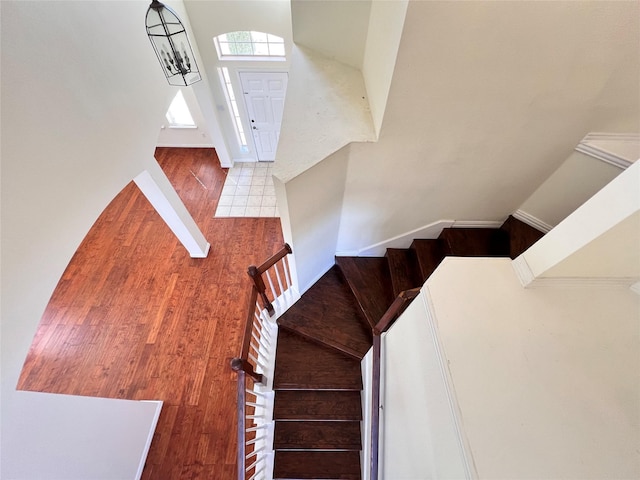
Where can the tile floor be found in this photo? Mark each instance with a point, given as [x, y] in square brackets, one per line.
[248, 192]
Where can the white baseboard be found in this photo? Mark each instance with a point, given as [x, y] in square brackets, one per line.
[532, 221]
[404, 240]
[477, 224]
[429, 231]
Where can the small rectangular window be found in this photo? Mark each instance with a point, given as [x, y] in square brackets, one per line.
[249, 45]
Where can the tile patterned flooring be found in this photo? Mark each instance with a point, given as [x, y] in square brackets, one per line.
[248, 192]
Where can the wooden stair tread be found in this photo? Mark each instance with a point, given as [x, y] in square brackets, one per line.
[521, 235]
[368, 278]
[322, 435]
[329, 314]
[403, 269]
[475, 242]
[305, 365]
[317, 405]
[317, 464]
[429, 253]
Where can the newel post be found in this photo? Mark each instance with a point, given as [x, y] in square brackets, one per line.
[256, 276]
[238, 364]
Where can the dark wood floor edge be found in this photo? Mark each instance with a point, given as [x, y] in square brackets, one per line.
[324, 342]
[367, 322]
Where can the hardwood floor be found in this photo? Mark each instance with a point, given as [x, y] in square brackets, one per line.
[135, 317]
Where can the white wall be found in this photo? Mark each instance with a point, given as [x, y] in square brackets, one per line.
[386, 20]
[75, 130]
[209, 19]
[487, 100]
[336, 29]
[546, 379]
[314, 200]
[573, 183]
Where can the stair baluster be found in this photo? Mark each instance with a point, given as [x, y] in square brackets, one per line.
[255, 361]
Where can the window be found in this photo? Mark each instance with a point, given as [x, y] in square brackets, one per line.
[178, 114]
[233, 108]
[248, 45]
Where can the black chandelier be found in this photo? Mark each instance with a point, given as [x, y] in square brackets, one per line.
[171, 44]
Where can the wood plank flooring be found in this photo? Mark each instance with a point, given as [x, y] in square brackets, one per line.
[135, 317]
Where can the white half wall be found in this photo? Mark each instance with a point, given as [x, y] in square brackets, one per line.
[421, 436]
[69, 430]
[546, 379]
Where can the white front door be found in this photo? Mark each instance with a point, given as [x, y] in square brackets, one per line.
[264, 96]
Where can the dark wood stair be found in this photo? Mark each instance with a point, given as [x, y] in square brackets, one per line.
[317, 464]
[328, 314]
[324, 336]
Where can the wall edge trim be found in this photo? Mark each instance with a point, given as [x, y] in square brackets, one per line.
[532, 221]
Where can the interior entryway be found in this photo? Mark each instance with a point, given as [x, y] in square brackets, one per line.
[264, 94]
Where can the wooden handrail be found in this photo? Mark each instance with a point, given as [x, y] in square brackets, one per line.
[241, 363]
[397, 307]
[246, 339]
[375, 409]
[399, 304]
[256, 275]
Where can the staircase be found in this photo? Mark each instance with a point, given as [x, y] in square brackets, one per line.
[324, 336]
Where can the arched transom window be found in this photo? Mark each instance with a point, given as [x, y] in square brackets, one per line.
[249, 45]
